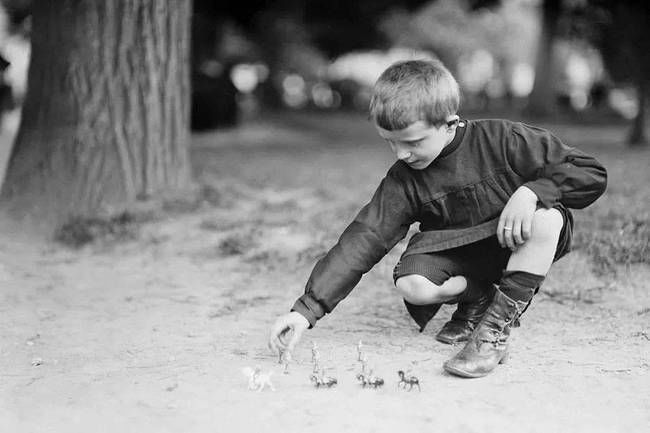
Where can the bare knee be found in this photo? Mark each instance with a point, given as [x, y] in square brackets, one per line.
[409, 285]
[417, 290]
[547, 224]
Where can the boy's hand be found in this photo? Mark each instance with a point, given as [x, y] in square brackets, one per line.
[516, 221]
[286, 332]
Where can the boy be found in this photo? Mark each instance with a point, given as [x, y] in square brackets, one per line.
[491, 197]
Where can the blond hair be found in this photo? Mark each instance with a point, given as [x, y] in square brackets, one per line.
[413, 90]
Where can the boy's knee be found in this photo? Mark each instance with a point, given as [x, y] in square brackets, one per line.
[547, 224]
[408, 285]
[416, 289]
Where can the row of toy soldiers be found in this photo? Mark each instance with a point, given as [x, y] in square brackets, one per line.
[285, 358]
[315, 357]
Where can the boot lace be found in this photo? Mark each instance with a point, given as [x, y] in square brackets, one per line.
[497, 338]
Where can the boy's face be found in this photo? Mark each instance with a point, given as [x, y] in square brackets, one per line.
[419, 144]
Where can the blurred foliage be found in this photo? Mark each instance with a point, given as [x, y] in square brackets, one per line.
[340, 26]
[335, 26]
[620, 29]
[450, 28]
[286, 44]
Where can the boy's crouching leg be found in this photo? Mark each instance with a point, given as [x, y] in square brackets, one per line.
[488, 344]
[472, 305]
[525, 272]
[420, 298]
[423, 298]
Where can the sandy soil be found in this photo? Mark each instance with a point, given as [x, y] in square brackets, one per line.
[151, 334]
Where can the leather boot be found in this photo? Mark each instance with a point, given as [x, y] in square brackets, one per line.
[468, 314]
[487, 346]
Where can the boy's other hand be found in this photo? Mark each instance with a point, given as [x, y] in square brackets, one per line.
[286, 332]
[516, 221]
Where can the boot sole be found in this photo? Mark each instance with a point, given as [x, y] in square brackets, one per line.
[461, 373]
[469, 375]
[451, 340]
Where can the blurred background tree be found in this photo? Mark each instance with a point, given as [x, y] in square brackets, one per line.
[105, 119]
[621, 30]
[542, 98]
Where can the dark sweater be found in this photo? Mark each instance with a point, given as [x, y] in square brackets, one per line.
[457, 200]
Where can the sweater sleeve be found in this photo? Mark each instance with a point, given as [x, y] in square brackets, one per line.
[554, 171]
[377, 228]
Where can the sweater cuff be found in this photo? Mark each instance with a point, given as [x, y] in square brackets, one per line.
[309, 308]
[546, 190]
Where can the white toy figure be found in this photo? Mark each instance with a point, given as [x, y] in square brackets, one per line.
[315, 354]
[405, 379]
[315, 357]
[323, 381]
[370, 380]
[286, 360]
[364, 365]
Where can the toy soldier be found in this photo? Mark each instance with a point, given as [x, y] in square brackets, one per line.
[286, 358]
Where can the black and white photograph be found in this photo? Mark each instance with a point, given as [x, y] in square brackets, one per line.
[324, 216]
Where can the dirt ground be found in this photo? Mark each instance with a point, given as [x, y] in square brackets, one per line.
[151, 334]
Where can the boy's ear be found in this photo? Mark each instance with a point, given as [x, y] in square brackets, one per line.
[452, 121]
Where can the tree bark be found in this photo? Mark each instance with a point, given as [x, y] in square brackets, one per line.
[106, 115]
[541, 101]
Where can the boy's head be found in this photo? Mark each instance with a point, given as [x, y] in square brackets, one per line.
[414, 90]
[414, 107]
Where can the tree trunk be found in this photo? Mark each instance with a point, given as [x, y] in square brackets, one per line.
[106, 116]
[541, 101]
[637, 135]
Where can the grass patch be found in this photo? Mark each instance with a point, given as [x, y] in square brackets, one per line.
[79, 231]
[615, 240]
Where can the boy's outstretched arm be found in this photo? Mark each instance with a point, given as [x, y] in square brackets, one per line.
[378, 227]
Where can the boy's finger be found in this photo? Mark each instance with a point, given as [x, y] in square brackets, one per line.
[273, 345]
[507, 233]
[274, 339]
[284, 338]
[295, 337]
[516, 233]
[271, 342]
[500, 232]
[526, 228]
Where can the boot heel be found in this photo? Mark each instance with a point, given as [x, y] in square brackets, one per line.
[505, 358]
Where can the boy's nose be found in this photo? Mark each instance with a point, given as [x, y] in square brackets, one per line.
[403, 154]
